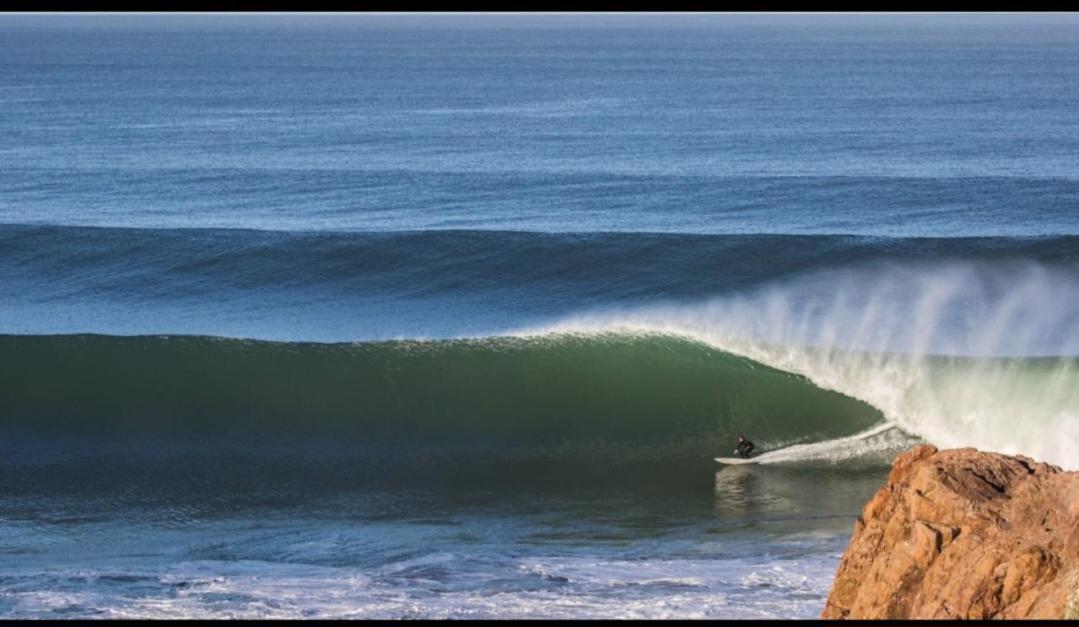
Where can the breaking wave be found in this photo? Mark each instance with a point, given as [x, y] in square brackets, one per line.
[960, 354]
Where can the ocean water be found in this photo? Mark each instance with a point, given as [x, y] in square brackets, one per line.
[447, 316]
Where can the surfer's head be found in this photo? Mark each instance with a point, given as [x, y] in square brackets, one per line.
[741, 438]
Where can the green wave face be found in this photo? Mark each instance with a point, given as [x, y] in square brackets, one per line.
[652, 393]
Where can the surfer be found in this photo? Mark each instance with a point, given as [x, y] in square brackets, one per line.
[745, 447]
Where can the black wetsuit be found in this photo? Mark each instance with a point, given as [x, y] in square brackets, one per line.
[745, 449]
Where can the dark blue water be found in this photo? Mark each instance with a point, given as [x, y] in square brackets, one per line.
[789, 125]
[784, 188]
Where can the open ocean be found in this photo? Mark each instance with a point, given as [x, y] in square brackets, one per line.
[447, 316]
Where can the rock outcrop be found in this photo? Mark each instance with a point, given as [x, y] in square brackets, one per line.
[964, 534]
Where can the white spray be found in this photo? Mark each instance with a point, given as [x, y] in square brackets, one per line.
[944, 350]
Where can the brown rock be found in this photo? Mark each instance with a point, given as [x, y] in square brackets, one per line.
[963, 534]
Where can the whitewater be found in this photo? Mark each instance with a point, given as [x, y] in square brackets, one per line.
[958, 354]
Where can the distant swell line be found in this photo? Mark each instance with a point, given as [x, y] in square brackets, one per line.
[344, 286]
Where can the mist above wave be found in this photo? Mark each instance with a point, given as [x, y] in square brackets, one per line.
[961, 353]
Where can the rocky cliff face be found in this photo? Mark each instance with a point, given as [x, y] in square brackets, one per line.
[964, 534]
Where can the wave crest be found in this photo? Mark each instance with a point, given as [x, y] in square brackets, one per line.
[962, 354]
